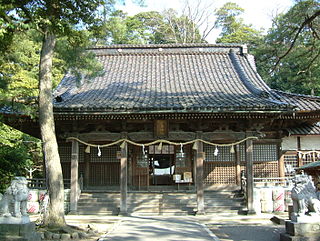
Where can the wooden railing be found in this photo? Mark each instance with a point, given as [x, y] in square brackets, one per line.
[272, 181]
[40, 183]
[267, 182]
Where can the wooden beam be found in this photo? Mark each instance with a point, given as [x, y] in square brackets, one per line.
[200, 156]
[249, 171]
[74, 177]
[123, 179]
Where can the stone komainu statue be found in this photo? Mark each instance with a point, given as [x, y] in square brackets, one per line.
[304, 195]
[16, 194]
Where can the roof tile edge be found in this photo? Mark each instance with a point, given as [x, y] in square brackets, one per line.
[169, 48]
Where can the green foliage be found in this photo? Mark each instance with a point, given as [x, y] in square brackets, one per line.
[147, 28]
[19, 69]
[119, 28]
[18, 153]
[234, 30]
[289, 57]
[73, 57]
[228, 18]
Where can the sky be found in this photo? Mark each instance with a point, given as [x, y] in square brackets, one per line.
[257, 12]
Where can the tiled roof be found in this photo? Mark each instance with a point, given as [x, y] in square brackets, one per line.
[312, 165]
[173, 78]
[305, 129]
[302, 102]
[9, 110]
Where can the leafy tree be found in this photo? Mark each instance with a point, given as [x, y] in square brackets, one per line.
[18, 153]
[19, 70]
[120, 28]
[147, 28]
[180, 29]
[234, 30]
[52, 19]
[289, 58]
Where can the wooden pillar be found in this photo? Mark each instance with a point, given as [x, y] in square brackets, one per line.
[238, 166]
[281, 165]
[74, 177]
[123, 179]
[200, 155]
[86, 169]
[249, 171]
[300, 157]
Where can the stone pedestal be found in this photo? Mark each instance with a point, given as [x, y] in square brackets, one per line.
[14, 220]
[302, 231]
[21, 232]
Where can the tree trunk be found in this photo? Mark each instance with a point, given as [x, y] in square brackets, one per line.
[55, 215]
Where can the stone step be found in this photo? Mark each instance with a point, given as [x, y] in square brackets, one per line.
[103, 213]
[173, 212]
[144, 210]
[160, 203]
[100, 207]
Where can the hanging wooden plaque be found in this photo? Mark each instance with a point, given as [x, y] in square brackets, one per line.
[161, 128]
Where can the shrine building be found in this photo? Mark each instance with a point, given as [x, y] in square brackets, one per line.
[193, 115]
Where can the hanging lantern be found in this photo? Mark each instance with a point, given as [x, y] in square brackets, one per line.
[87, 150]
[216, 151]
[123, 145]
[232, 149]
[99, 151]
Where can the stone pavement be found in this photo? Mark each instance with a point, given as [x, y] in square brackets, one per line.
[158, 228]
[248, 228]
[208, 227]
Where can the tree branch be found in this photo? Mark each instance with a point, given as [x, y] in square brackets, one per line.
[306, 22]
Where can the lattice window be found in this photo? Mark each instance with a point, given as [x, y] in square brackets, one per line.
[65, 153]
[108, 154]
[290, 162]
[219, 173]
[81, 153]
[242, 150]
[223, 153]
[265, 152]
[261, 152]
[266, 169]
[263, 169]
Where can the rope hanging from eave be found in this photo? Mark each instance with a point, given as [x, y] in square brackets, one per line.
[161, 141]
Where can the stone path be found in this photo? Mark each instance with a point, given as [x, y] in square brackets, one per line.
[248, 232]
[158, 228]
